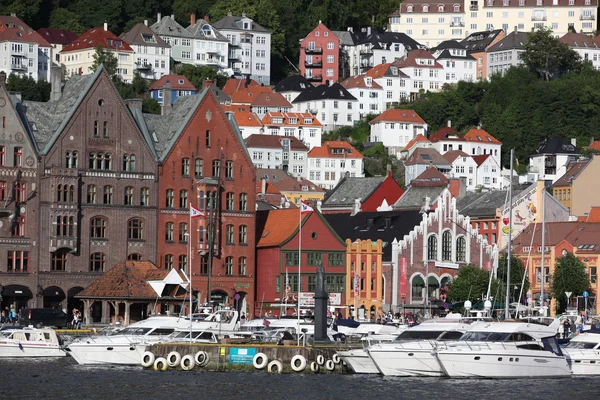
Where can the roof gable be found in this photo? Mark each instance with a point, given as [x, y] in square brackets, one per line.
[13, 29]
[350, 189]
[335, 149]
[167, 26]
[176, 82]
[480, 136]
[97, 37]
[398, 115]
[141, 35]
[14, 109]
[57, 36]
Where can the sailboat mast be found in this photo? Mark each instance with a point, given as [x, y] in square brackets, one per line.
[542, 303]
[510, 221]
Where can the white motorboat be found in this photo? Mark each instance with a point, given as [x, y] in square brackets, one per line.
[411, 355]
[125, 347]
[583, 354]
[504, 350]
[358, 359]
[29, 342]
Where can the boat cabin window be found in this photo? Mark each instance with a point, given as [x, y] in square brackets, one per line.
[180, 335]
[5, 335]
[161, 332]
[133, 331]
[47, 335]
[580, 345]
[530, 346]
[520, 337]
[204, 336]
[418, 335]
[450, 335]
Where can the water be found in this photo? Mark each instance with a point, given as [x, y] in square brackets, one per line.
[64, 379]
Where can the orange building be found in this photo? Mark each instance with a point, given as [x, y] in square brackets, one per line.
[364, 286]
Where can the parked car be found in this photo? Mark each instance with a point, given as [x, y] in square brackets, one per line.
[39, 317]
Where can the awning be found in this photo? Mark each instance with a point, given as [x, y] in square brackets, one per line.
[53, 291]
[17, 291]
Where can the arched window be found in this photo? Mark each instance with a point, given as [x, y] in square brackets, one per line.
[242, 266]
[229, 235]
[409, 9]
[71, 198]
[432, 247]
[105, 129]
[243, 202]
[243, 234]
[91, 194]
[144, 197]
[59, 191]
[183, 232]
[107, 162]
[134, 257]
[135, 229]
[129, 163]
[95, 128]
[108, 194]
[440, 8]
[229, 266]
[425, 8]
[185, 166]
[98, 228]
[198, 167]
[461, 249]
[97, 262]
[183, 199]
[170, 198]
[456, 8]
[183, 262]
[447, 246]
[169, 231]
[229, 201]
[169, 261]
[72, 159]
[128, 200]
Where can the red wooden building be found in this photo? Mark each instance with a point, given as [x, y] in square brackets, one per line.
[319, 52]
[278, 237]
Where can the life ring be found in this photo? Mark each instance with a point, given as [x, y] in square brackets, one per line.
[330, 365]
[320, 359]
[298, 363]
[160, 364]
[275, 367]
[148, 359]
[314, 367]
[173, 359]
[336, 358]
[187, 363]
[260, 361]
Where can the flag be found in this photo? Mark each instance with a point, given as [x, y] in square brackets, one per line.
[288, 289]
[305, 208]
[266, 322]
[195, 213]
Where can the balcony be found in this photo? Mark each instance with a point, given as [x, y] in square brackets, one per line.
[316, 64]
[457, 24]
[143, 65]
[587, 17]
[18, 67]
[313, 50]
[538, 18]
[473, 7]
[314, 78]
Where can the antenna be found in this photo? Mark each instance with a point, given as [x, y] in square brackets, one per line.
[293, 66]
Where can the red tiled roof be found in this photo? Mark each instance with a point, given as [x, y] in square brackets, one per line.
[246, 118]
[285, 116]
[410, 60]
[578, 233]
[431, 177]
[174, 81]
[14, 30]
[279, 227]
[479, 135]
[359, 81]
[274, 141]
[233, 85]
[573, 39]
[236, 107]
[593, 215]
[454, 154]
[325, 151]
[57, 36]
[445, 133]
[249, 94]
[481, 158]
[270, 99]
[595, 144]
[97, 37]
[269, 188]
[417, 139]
[397, 115]
[379, 70]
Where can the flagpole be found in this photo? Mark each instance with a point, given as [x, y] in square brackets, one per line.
[299, 267]
[190, 269]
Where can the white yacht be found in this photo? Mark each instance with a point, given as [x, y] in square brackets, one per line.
[583, 354]
[504, 350]
[358, 359]
[411, 355]
[29, 342]
[125, 347]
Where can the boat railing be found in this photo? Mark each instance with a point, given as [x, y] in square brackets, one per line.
[477, 345]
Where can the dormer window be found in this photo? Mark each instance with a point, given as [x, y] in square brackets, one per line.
[440, 8]
[539, 2]
[425, 8]
[181, 81]
[409, 9]
[456, 8]
[307, 121]
[246, 25]
[293, 120]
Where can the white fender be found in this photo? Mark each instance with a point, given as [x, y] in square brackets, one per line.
[148, 359]
[187, 363]
[298, 363]
[314, 367]
[160, 364]
[173, 359]
[336, 358]
[330, 365]
[260, 361]
[275, 367]
[320, 359]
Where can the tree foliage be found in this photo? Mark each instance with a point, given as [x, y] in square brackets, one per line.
[150, 106]
[471, 283]
[197, 74]
[29, 88]
[569, 276]
[107, 59]
[517, 272]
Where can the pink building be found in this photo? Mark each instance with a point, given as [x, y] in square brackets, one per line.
[319, 52]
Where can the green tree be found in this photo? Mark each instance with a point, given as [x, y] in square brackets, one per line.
[106, 59]
[29, 88]
[569, 276]
[471, 283]
[61, 18]
[517, 272]
[150, 106]
[197, 74]
[546, 55]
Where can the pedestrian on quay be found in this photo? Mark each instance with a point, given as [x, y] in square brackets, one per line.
[13, 315]
[2, 317]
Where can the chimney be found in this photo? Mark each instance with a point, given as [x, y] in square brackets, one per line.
[158, 17]
[368, 30]
[106, 26]
[247, 82]
[515, 28]
[3, 80]
[206, 19]
[193, 19]
[167, 99]
[574, 142]
[299, 178]
[449, 124]
[389, 170]
[207, 83]
[13, 14]
[55, 82]
[172, 16]
[263, 190]
[320, 22]
[350, 29]
[591, 140]
[133, 104]
[146, 22]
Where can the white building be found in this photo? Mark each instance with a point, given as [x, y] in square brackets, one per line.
[506, 53]
[278, 152]
[552, 158]
[395, 83]
[329, 163]
[292, 86]
[210, 47]
[396, 128]
[303, 126]
[457, 64]
[250, 46]
[420, 160]
[369, 93]
[419, 142]
[23, 51]
[585, 46]
[332, 105]
[488, 172]
[249, 123]
[58, 38]
[475, 142]
[180, 40]
[151, 54]
[380, 48]
[463, 166]
[424, 71]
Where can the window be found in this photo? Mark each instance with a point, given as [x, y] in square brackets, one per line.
[291, 258]
[242, 265]
[98, 228]
[128, 201]
[168, 261]
[229, 235]
[243, 202]
[105, 128]
[129, 163]
[335, 259]
[183, 198]
[229, 201]
[107, 195]
[144, 197]
[18, 229]
[313, 258]
[169, 231]
[71, 159]
[198, 167]
[229, 169]
[229, 266]
[216, 168]
[59, 260]
[243, 234]
[100, 161]
[461, 248]
[185, 167]
[18, 157]
[183, 232]
[432, 247]
[135, 229]
[182, 262]
[97, 262]
[96, 128]
[207, 141]
[18, 261]
[65, 226]
[91, 194]
[170, 198]
[593, 274]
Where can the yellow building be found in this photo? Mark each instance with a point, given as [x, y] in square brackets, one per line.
[77, 57]
[364, 282]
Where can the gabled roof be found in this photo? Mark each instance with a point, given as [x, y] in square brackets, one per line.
[577, 233]
[480, 159]
[280, 226]
[167, 26]
[360, 82]
[579, 41]
[176, 82]
[573, 170]
[448, 44]
[513, 41]
[448, 55]
[483, 204]
[97, 37]
[386, 39]
[233, 85]
[480, 136]
[347, 38]
[14, 30]
[398, 115]
[431, 177]
[452, 155]
[350, 188]
[57, 36]
[430, 184]
[293, 83]
[592, 216]
[595, 145]
[385, 71]
[141, 35]
[326, 150]
[268, 99]
[479, 41]
[274, 142]
[423, 156]
[286, 119]
[297, 185]
[247, 119]
[417, 139]
[445, 133]
[410, 60]
[557, 146]
[203, 30]
[232, 22]
[324, 92]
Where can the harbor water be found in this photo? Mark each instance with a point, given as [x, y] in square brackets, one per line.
[64, 379]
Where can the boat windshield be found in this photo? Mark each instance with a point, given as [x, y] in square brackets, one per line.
[5, 335]
[496, 337]
[580, 345]
[132, 331]
[419, 335]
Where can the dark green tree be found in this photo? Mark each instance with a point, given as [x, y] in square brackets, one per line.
[106, 59]
[61, 18]
[517, 272]
[29, 88]
[547, 56]
[471, 283]
[150, 106]
[197, 74]
[569, 276]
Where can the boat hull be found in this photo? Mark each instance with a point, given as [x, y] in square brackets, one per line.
[12, 350]
[584, 362]
[406, 360]
[359, 361]
[107, 353]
